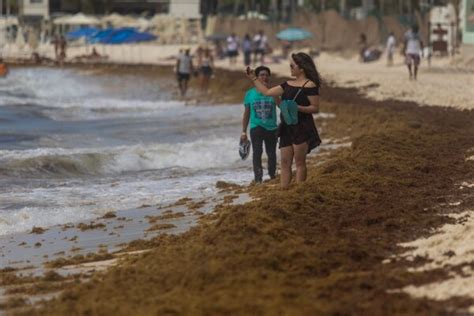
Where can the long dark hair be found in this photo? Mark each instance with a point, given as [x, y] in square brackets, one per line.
[305, 62]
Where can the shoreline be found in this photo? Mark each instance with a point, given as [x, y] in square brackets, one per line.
[442, 83]
[332, 99]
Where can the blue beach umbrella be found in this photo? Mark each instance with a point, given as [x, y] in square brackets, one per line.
[101, 35]
[122, 36]
[86, 32]
[294, 34]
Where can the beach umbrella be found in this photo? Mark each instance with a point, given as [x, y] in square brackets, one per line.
[86, 32]
[293, 34]
[100, 36]
[77, 19]
[121, 36]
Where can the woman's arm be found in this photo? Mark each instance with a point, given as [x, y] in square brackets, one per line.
[269, 92]
[313, 105]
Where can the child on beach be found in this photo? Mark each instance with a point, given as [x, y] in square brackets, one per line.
[297, 140]
[260, 110]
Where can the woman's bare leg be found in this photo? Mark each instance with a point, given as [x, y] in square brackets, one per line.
[286, 160]
[300, 161]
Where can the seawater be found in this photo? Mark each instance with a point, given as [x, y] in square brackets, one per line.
[75, 145]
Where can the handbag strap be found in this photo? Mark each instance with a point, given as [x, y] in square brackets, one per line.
[301, 88]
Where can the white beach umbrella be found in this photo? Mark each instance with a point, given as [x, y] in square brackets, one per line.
[77, 19]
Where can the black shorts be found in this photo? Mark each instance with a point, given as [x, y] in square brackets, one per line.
[183, 77]
[259, 51]
[303, 132]
[206, 71]
[232, 53]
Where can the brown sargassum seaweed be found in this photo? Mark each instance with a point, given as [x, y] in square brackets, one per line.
[316, 249]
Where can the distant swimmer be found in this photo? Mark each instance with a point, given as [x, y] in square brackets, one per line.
[3, 68]
[299, 135]
[260, 110]
[413, 49]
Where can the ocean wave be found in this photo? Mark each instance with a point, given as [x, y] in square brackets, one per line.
[201, 154]
[65, 95]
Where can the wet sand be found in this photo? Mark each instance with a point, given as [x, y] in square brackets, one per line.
[319, 248]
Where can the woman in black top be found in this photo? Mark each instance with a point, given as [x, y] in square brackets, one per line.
[296, 141]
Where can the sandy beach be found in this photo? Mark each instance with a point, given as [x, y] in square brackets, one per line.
[380, 227]
[445, 82]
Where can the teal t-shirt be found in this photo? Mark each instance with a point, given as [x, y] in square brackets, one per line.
[262, 110]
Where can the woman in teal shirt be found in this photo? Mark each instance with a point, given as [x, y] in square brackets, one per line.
[260, 110]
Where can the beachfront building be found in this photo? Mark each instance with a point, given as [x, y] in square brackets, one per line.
[185, 8]
[34, 9]
[443, 29]
[467, 22]
[129, 7]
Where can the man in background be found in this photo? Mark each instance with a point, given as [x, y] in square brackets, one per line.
[260, 43]
[390, 48]
[413, 49]
[184, 69]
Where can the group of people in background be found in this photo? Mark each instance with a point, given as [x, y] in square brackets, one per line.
[412, 50]
[256, 46]
[202, 67]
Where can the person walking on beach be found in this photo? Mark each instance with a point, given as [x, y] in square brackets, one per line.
[3, 68]
[260, 46]
[297, 140]
[362, 46]
[232, 48]
[260, 110]
[62, 50]
[390, 48]
[184, 69]
[206, 69]
[247, 50]
[55, 42]
[413, 48]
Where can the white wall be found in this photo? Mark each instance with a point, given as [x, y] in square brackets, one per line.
[35, 8]
[185, 8]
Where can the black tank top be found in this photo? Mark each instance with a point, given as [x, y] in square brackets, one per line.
[289, 93]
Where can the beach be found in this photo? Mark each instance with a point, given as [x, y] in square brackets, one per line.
[443, 82]
[391, 170]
